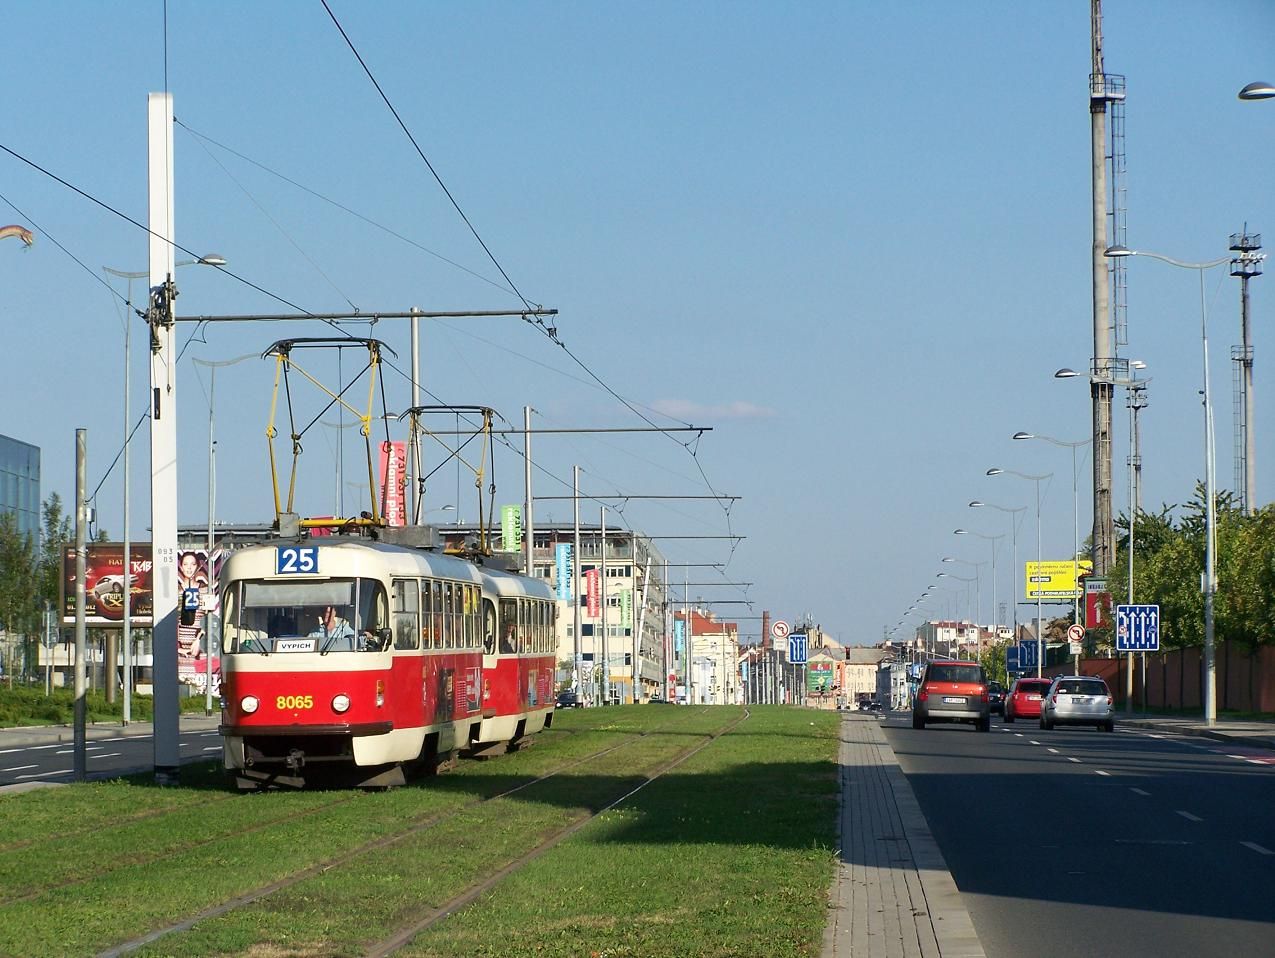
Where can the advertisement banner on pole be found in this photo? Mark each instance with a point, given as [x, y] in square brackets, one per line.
[626, 608]
[562, 562]
[511, 528]
[393, 477]
[1056, 580]
[1097, 604]
[679, 636]
[593, 591]
[104, 585]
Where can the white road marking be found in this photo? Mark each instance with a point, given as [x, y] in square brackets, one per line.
[35, 748]
[1188, 816]
[18, 768]
[1034, 742]
[1154, 735]
[1108, 774]
[1019, 734]
[1070, 759]
[1054, 750]
[109, 755]
[1139, 791]
[46, 774]
[212, 748]
[1257, 848]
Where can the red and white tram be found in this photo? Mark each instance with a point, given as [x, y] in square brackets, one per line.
[352, 661]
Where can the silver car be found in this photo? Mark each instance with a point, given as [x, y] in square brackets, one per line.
[1078, 700]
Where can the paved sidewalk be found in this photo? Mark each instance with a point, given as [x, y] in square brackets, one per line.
[24, 735]
[893, 896]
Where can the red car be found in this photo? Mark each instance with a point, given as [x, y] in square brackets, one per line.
[1023, 700]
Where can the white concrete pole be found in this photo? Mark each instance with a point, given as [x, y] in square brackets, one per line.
[163, 408]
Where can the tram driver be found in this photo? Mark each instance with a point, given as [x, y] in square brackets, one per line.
[335, 631]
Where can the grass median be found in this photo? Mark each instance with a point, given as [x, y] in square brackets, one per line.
[111, 861]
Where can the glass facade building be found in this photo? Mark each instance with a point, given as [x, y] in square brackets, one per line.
[20, 483]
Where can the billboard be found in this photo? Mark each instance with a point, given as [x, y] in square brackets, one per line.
[1056, 580]
[819, 678]
[104, 586]
[593, 591]
[511, 528]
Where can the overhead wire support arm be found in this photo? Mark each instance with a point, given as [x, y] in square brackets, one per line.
[365, 317]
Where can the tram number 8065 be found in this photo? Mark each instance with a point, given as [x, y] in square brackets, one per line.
[294, 702]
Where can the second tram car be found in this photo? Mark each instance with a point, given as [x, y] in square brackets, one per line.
[355, 662]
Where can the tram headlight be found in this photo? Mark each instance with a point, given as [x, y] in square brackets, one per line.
[340, 703]
[249, 704]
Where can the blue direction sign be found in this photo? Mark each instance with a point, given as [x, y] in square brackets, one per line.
[1137, 628]
[1027, 657]
[797, 648]
[1012, 659]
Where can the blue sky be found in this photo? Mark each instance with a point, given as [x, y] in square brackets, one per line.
[852, 238]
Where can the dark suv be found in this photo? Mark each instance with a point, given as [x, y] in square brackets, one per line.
[952, 691]
[569, 699]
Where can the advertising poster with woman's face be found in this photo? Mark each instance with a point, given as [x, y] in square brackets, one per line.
[196, 587]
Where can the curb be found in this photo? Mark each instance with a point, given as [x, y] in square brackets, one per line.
[1209, 733]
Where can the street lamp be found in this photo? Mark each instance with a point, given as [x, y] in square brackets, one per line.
[209, 259]
[1013, 529]
[1040, 631]
[967, 580]
[1075, 511]
[1136, 400]
[1210, 518]
[993, 540]
[1257, 90]
[978, 585]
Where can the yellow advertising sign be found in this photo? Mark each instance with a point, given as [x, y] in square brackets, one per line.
[1056, 580]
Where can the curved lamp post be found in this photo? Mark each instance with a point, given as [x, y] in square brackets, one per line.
[1075, 508]
[1013, 528]
[1210, 518]
[1040, 631]
[993, 540]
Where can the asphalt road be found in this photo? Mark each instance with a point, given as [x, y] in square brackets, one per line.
[1078, 842]
[53, 761]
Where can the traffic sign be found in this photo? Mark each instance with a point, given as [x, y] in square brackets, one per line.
[797, 648]
[1027, 657]
[779, 629]
[1012, 659]
[1137, 628]
[1076, 638]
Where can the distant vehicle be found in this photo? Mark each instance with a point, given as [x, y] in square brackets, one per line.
[569, 699]
[875, 707]
[952, 691]
[996, 697]
[1023, 700]
[1078, 700]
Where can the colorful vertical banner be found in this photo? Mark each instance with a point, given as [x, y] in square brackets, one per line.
[679, 636]
[393, 477]
[511, 528]
[593, 590]
[562, 555]
[626, 608]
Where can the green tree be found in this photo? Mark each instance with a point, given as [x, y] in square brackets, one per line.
[19, 607]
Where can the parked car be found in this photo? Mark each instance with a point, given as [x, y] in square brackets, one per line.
[996, 698]
[952, 691]
[1078, 700]
[569, 699]
[1024, 698]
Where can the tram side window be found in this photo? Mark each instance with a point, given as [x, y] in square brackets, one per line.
[471, 617]
[508, 626]
[407, 624]
[544, 627]
[437, 618]
[449, 605]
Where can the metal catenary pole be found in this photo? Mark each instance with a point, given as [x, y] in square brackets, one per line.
[80, 753]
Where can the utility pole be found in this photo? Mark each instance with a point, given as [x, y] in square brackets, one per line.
[163, 429]
[1100, 391]
[528, 525]
[80, 751]
[1246, 264]
[575, 589]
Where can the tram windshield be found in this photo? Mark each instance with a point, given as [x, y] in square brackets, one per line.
[336, 615]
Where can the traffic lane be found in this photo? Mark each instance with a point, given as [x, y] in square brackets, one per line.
[117, 755]
[1048, 852]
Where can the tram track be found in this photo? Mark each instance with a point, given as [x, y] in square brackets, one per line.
[385, 842]
[405, 936]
